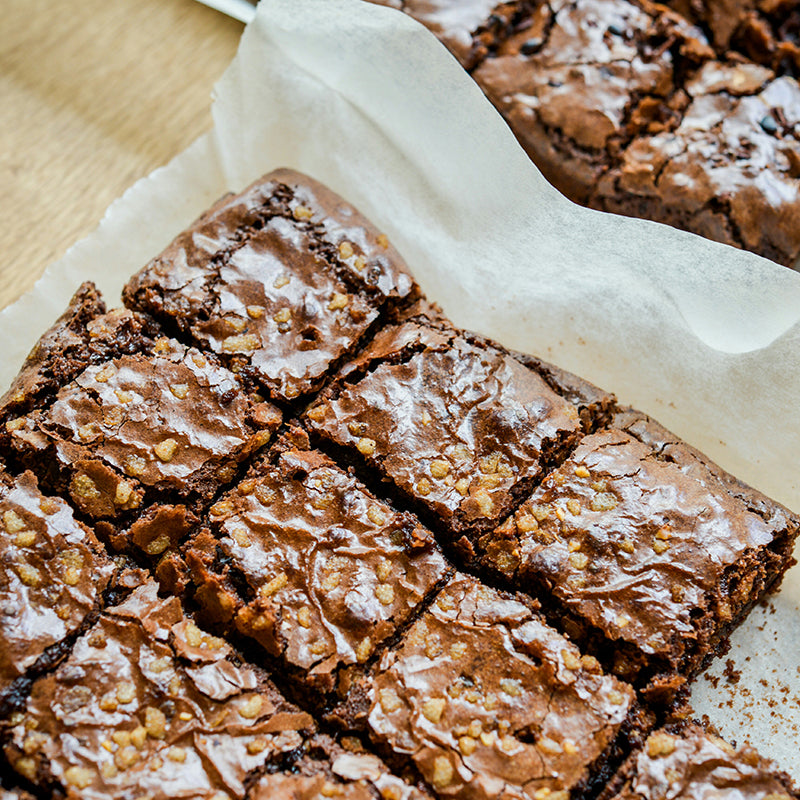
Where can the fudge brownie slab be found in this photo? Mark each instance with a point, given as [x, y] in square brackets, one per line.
[168, 425]
[281, 281]
[308, 563]
[687, 761]
[328, 770]
[147, 704]
[459, 426]
[53, 572]
[488, 701]
[643, 549]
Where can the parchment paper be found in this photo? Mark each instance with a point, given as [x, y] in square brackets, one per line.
[704, 337]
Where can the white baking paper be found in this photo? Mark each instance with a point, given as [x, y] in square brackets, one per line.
[704, 337]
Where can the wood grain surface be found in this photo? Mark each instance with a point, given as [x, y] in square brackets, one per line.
[94, 94]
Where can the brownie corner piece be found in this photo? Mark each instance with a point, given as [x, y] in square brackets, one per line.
[698, 761]
[485, 699]
[303, 559]
[53, 573]
[160, 708]
[647, 553]
[462, 428]
[282, 282]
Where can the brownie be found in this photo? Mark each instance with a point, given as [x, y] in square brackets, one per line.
[147, 704]
[765, 31]
[304, 560]
[644, 551]
[145, 438]
[460, 427]
[628, 107]
[53, 572]
[328, 770]
[687, 761]
[84, 334]
[488, 701]
[282, 282]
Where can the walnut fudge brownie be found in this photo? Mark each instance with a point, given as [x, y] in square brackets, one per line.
[53, 572]
[159, 423]
[460, 426]
[686, 761]
[148, 704]
[307, 562]
[282, 282]
[490, 702]
[645, 551]
[625, 106]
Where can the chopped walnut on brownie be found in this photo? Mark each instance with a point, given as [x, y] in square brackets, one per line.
[53, 572]
[461, 427]
[645, 552]
[488, 701]
[130, 436]
[327, 770]
[688, 761]
[281, 282]
[307, 562]
[147, 704]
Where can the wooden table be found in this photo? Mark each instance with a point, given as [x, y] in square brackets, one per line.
[95, 94]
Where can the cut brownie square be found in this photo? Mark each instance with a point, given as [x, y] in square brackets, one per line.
[644, 550]
[53, 572]
[488, 701]
[687, 761]
[303, 559]
[147, 704]
[460, 427]
[157, 423]
[329, 771]
[282, 282]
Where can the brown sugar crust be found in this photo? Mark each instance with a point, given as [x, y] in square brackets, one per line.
[157, 706]
[281, 281]
[307, 562]
[687, 761]
[490, 702]
[640, 538]
[53, 572]
[460, 427]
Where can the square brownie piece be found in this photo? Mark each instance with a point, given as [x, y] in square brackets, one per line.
[147, 704]
[686, 760]
[644, 550]
[488, 701]
[150, 422]
[53, 573]
[460, 427]
[303, 559]
[282, 282]
[328, 770]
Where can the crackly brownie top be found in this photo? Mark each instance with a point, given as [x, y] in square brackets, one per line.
[578, 65]
[634, 541]
[329, 771]
[332, 570]
[169, 419]
[149, 704]
[460, 426]
[734, 160]
[490, 702]
[282, 280]
[689, 762]
[52, 574]
[84, 334]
